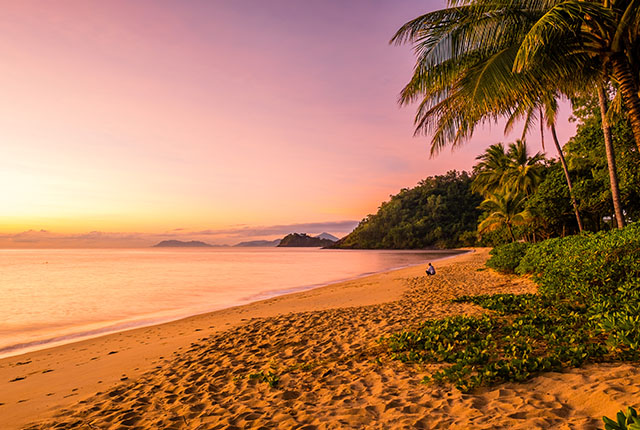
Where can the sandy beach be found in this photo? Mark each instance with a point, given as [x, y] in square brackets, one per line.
[306, 360]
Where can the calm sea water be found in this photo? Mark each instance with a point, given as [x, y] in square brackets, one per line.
[50, 297]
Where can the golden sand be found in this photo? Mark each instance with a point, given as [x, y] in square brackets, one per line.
[213, 371]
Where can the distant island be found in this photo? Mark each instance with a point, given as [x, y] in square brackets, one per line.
[181, 244]
[292, 240]
[260, 243]
[300, 240]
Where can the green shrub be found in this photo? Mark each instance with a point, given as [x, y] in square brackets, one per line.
[587, 309]
[585, 266]
[505, 258]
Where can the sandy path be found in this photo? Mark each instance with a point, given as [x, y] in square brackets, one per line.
[322, 347]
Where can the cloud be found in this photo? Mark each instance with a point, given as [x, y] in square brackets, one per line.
[313, 227]
[45, 238]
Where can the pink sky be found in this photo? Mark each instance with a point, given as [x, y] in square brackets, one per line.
[127, 122]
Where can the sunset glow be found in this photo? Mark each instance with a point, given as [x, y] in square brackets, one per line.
[127, 122]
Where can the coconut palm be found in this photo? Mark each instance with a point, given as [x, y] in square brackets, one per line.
[513, 169]
[583, 31]
[463, 75]
[602, 34]
[611, 159]
[489, 172]
[523, 173]
[464, 71]
[506, 209]
[546, 109]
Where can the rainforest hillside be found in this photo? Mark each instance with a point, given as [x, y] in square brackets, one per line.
[440, 212]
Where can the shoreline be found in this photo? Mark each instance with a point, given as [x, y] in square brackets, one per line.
[133, 323]
[321, 346]
[106, 359]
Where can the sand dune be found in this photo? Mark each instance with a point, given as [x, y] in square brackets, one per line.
[309, 360]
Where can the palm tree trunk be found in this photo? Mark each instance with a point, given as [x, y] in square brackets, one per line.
[513, 238]
[611, 160]
[566, 175]
[629, 90]
[542, 129]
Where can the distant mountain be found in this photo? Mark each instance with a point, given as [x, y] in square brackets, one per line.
[181, 244]
[327, 236]
[303, 240]
[260, 243]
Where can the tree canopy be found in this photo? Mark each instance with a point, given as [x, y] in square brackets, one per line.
[440, 212]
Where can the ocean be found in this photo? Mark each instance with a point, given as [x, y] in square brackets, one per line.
[54, 296]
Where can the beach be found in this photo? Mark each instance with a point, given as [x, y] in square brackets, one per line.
[305, 360]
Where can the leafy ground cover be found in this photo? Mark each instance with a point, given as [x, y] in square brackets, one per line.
[587, 309]
[625, 420]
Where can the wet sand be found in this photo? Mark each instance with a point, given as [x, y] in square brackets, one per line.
[305, 360]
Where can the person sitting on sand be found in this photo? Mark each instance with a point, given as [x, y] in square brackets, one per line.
[431, 270]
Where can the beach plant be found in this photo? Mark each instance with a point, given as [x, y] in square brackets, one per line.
[587, 309]
[505, 258]
[270, 377]
[625, 420]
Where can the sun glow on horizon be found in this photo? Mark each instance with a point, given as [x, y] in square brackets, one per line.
[154, 117]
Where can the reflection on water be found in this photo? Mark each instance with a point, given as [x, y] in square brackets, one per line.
[50, 294]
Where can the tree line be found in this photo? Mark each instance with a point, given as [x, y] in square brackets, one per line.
[512, 194]
[482, 60]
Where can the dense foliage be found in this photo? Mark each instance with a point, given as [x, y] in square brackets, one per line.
[587, 309]
[548, 207]
[589, 167]
[525, 195]
[505, 258]
[440, 212]
[479, 61]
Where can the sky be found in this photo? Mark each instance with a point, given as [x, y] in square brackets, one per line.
[124, 123]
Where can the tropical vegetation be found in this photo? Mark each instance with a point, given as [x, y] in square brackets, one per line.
[441, 211]
[482, 60]
[513, 195]
[561, 222]
[587, 309]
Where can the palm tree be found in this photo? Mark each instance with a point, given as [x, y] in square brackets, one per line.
[611, 159]
[513, 170]
[505, 209]
[523, 173]
[595, 34]
[547, 109]
[464, 70]
[606, 34]
[565, 169]
[464, 74]
[489, 172]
